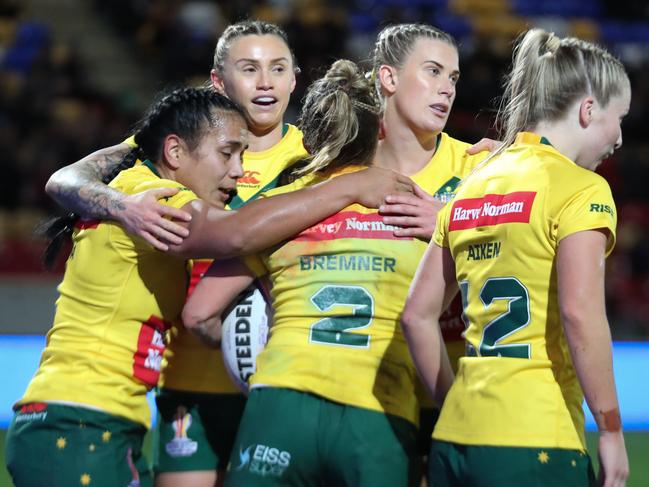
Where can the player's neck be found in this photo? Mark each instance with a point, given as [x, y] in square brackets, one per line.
[404, 151]
[562, 135]
[261, 140]
[165, 172]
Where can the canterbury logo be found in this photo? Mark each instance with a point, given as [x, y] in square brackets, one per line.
[491, 209]
[249, 177]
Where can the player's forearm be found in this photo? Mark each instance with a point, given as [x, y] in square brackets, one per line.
[222, 234]
[429, 354]
[272, 220]
[589, 340]
[580, 278]
[79, 188]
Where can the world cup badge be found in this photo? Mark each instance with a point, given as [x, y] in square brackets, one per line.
[181, 445]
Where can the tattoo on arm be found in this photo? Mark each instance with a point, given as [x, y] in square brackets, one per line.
[79, 187]
[208, 332]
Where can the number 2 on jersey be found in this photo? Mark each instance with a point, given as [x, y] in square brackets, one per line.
[514, 319]
[333, 330]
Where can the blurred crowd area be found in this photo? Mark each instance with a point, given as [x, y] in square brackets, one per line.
[50, 115]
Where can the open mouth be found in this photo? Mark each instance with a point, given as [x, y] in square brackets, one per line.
[264, 101]
[439, 108]
[227, 194]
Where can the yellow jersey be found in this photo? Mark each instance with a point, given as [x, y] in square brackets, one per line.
[117, 299]
[338, 291]
[517, 385]
[188, 364]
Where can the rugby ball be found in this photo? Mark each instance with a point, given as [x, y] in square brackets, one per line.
[244, 334]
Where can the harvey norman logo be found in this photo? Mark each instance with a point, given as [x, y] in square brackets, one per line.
[491, 209]
[350, 224]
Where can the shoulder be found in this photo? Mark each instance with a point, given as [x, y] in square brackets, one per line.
[455, 149]
[294, 185]
[140, 178]
[292, 141]
[569, 179]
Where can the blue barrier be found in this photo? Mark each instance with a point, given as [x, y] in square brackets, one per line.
[19, 357]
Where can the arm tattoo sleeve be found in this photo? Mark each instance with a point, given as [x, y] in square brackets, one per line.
[79, 187]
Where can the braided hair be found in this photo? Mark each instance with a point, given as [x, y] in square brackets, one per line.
[186, 112]
[340, 119]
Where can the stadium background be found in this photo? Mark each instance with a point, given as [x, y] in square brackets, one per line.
[74, 74]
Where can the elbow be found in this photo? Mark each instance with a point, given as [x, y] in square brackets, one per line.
[191, 318]
[235, 244]
[411, 321]
[206, 329]
[239, 244]
[54, 184]
[575, 321]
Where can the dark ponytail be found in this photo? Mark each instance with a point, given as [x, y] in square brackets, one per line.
[186, 112]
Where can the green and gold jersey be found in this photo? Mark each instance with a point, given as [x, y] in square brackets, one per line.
[517, 385]
[117, 299]
[188, 364]
[338, 290]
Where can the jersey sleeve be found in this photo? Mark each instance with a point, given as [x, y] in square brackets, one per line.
[589, 209]
[440, 235]
[130, 142]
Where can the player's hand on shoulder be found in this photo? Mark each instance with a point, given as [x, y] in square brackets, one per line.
[413, 215]
[143, 216]
[374, 184]
[484, 144]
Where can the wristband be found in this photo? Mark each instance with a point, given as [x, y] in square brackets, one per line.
[609, 420]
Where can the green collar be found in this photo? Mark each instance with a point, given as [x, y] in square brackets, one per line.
[151, 166]
[545, 141]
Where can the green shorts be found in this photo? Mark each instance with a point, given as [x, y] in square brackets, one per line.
[195, 431]
[57, 445]
[288, 437]
[452, 464]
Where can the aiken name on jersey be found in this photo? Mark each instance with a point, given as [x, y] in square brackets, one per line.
[491, 209]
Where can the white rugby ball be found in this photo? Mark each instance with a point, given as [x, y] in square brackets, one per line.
[244, 334]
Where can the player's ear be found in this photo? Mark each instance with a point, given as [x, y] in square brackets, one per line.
[388, 78]
[586, 108]
[172, 150]
[217, 81]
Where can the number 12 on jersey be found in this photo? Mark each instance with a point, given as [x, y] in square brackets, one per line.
[334, 330]
[504, 325]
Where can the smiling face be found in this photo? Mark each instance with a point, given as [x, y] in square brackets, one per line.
[258, 75]
[605, 131]
[425, 85]
[212, 168]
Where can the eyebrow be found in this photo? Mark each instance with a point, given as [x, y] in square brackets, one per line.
[236, 143]
[441, 66]
[256, 61]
